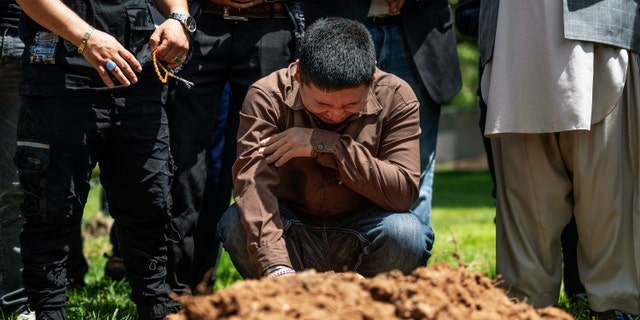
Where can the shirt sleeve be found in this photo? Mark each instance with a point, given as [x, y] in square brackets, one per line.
[255, 183]
[390, 176]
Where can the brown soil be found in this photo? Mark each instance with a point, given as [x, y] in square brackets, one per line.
[435, 292]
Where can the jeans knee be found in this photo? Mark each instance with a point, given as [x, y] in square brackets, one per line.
[408, 236]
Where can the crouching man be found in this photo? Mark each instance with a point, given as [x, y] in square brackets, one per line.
[328, 165]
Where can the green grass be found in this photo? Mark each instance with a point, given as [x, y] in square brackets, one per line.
[462, 217]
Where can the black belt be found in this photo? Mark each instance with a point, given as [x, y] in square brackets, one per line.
[384, 20]
[265, 10]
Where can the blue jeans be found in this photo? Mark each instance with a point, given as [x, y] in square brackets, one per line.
[394, 56]
[368, 242]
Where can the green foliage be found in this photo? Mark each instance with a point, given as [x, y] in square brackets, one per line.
[469, 65]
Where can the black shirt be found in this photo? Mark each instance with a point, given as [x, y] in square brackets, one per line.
[9, 14]
[52, 65]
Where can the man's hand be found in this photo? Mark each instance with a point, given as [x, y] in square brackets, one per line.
[172, 41]
[238, 4]
[102, 48]
[289, 144]
[394, 5]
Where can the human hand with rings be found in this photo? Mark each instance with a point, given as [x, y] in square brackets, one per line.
[172, 42]
[110, 58]
[238, 4]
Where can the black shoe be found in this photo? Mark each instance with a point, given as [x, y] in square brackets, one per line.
[115, 269]
[613, 314]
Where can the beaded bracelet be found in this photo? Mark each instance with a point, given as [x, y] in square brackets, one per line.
[163, 78]
[85, 38]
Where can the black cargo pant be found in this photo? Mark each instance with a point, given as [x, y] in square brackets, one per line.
[60, 141]
[10, 194]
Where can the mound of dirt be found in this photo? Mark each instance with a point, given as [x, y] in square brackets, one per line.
[435, 292]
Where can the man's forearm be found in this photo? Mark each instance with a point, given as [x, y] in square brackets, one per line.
[57, 18]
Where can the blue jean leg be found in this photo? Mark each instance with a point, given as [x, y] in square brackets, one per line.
[367, 242]
[394, 56]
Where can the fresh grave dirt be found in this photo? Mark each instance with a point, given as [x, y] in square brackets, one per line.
[435, 292]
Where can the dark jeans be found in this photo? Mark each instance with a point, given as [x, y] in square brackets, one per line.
[60, 140]
[223, 51]
[368, 242]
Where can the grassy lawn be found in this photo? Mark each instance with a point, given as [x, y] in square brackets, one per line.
[462, 217]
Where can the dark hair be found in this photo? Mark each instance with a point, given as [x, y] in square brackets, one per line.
[337, 54]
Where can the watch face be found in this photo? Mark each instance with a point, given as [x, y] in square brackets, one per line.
[191, 24]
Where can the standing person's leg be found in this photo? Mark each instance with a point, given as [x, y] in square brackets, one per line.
[605, 166]
[137, 171]
[260, 46]
[11, 219]
[394, 57]
[192, 115]
[77, 266]
[534, 204]
[55, 157]
[114, 268]
[214, 202]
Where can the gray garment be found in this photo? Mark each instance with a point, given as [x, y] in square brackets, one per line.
[612, 22]
[544, 179]
[538, 81]
[604, 21]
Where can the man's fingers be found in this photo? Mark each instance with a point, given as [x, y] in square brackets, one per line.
[106, 78]
[126, 71]
[130, 60]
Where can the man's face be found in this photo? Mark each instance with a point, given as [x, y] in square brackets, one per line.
[333, 107]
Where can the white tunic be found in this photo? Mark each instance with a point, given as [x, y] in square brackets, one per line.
[539, 82]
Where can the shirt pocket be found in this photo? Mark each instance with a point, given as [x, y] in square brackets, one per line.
[141, 27]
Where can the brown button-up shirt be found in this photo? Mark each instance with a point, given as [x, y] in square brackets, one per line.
[371, 159]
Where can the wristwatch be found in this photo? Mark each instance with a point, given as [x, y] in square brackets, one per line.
[188, 21]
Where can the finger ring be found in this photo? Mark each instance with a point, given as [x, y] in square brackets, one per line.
[111, 65]
[177, 59]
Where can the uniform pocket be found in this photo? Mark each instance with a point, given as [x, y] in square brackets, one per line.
[32, 161]
[140, 29]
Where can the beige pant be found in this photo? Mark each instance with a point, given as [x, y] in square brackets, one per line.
[542, 179]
